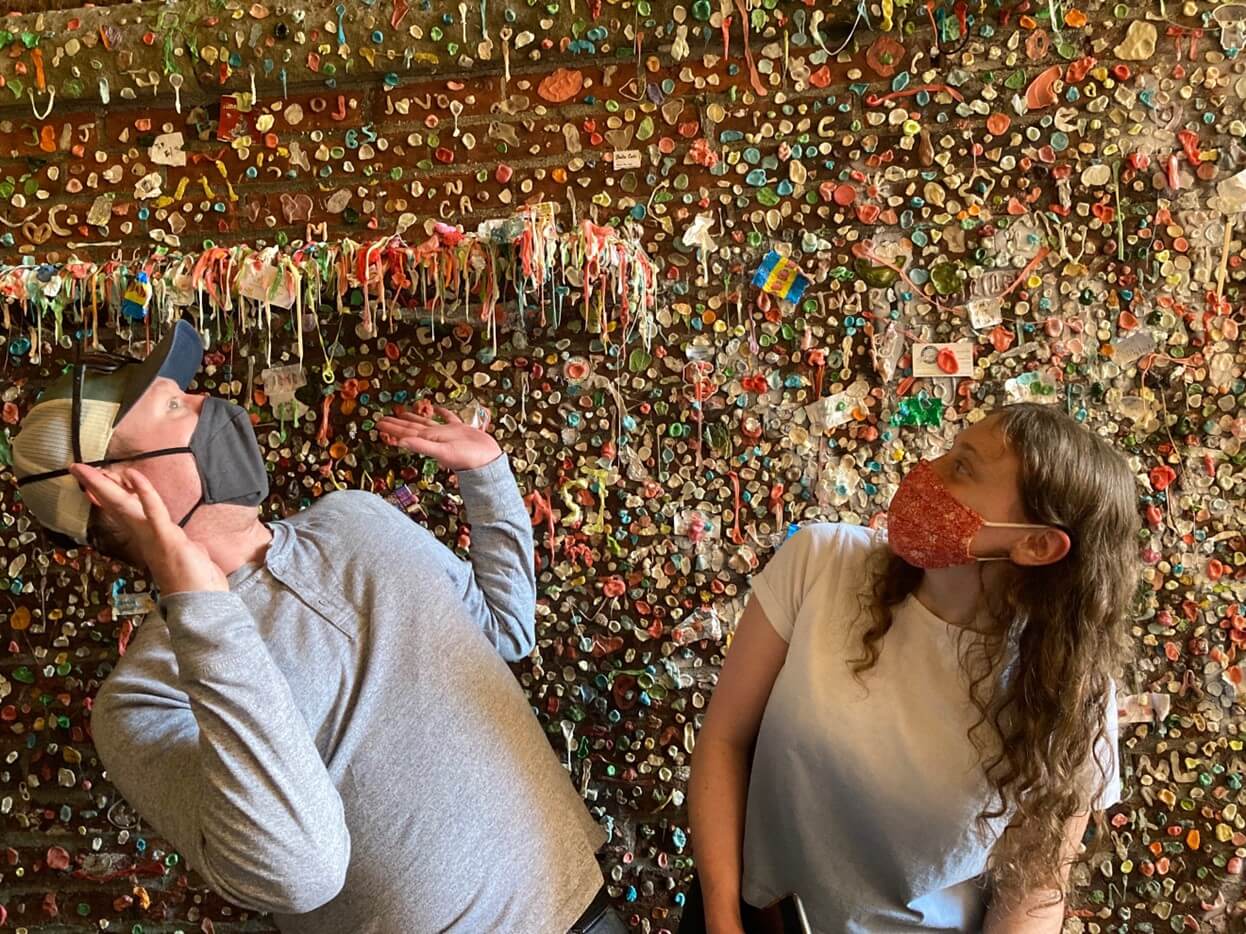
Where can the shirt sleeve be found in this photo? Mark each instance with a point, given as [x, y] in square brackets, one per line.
[214, 753]
[499, 585]
[780, 586]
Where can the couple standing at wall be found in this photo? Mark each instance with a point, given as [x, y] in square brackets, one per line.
[319, 714]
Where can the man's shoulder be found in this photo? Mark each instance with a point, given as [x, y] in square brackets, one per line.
[349, 505]
[354, 515]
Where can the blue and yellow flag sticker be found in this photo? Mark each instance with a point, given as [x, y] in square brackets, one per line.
[780, 276]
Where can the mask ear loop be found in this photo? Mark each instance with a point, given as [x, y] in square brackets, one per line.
[186, 518]
[104, 462]
[1018, 525]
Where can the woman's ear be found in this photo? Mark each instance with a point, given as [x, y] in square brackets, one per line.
[1041, 547]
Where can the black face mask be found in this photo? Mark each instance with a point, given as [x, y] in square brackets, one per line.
[227, 456]
[231, 467]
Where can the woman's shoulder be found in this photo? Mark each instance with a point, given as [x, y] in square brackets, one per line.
[821, 549]
[821, 565]
[840, 539]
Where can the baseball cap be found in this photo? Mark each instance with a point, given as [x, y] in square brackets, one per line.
[74, 419]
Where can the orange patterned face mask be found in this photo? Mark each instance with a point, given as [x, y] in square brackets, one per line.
[930, 528]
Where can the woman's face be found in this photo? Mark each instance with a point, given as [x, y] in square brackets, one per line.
[982, 473]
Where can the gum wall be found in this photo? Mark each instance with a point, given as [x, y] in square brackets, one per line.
[716, 269]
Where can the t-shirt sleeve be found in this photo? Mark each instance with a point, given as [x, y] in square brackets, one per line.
[1107, 752]
[780, 587]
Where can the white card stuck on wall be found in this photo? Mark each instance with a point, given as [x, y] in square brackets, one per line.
[627, 158]
[955, 359]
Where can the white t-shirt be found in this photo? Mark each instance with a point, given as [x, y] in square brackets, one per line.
[865, 804]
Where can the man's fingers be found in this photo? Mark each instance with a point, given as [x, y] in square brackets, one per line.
[421, 444]
[401, 432]
[396, 428]
[442, 434]
[105, 492]
[411, 418]
[153, 506]
[444, 416]
[425, 439]
[403, 427]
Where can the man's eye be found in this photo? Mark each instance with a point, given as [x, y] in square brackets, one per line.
[174, 403]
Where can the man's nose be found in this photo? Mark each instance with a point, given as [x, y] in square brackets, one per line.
[195, 401]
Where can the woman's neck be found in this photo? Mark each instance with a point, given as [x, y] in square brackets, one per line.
[955, 594]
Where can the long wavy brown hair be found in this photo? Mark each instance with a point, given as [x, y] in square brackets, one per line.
[1067, 624]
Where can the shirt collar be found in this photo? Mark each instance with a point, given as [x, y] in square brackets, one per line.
[275, 558]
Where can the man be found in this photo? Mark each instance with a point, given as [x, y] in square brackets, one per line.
[318, 714]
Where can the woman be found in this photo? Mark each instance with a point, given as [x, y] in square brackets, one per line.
[911, 731]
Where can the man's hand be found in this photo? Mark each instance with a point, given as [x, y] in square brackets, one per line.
[176, 563]
[454, 445]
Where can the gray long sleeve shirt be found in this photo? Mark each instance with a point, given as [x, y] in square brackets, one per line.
[338, 739]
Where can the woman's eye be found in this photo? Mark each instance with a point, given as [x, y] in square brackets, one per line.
[961, 468]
